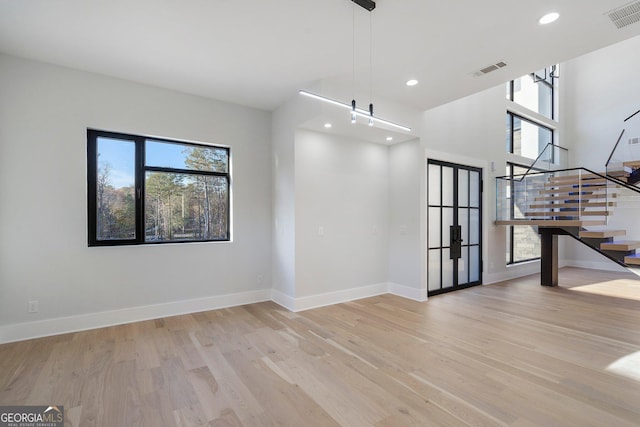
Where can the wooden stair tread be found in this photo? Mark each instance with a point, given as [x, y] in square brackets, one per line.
[582, 205]
[620, 245]
[567, 190]
[632, 259]
[575, 197]
[619, 173]
[601, 234]
[599, 182]
[551, 222]
[632, 164]
[568, 213]
[621, 178]
[584, 176]
[588, 177]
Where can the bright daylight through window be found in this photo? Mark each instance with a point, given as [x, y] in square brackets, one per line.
[523, 242]
[530, 123]
[151, 190]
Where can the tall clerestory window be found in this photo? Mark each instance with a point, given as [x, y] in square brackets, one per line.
[531, 124]
[535, 91]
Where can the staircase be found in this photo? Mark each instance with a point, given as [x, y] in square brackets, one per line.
[578, 203]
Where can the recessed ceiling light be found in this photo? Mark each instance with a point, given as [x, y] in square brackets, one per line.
[327, 125]
[411, 82]
[549, 18]
[389, 138]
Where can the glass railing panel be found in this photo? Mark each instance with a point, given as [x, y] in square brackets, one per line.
[566, 194]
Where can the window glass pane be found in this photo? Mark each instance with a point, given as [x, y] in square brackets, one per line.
[526, 243]
[508, 254]
[183, 156]
[447, 186]
[508, 135]
[520, 199]
[529, 139]
[474, 191]
[434, 185]
[463, 221]
[447, 269]
[545, 100]
[463, 187]
[115, 204]
[447, 222]
[463, 265]
[474, 230]
[434, 270]
[184, 207]
[536, 96]
[525, 92]
[434, 228]
[474, 263]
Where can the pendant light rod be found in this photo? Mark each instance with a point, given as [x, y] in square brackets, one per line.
[369, 5]
[355, 110]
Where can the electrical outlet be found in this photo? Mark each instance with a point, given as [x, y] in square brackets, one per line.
[260, 279]
[633, 141]
[321, 231]
[32, 307]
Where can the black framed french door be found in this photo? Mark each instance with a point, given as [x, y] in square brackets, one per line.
[454, 217]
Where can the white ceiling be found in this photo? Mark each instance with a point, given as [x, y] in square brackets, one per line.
[259, 53]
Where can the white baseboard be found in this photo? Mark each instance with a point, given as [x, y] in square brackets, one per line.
[512, 272]
[48, 327]
[283, 300]
[594, 265]
[415, 294]
[330, 298]
[82, 322]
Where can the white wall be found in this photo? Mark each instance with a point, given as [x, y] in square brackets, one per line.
[342, 214]
[602, 89]
[406, 197]
[44, 113]
[283, 215]
[368, 198]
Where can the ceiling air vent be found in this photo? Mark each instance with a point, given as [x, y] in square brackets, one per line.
[625, 15]
[490, 68]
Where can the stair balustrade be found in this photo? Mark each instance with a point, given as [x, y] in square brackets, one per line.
[623, 163]
[577, 202]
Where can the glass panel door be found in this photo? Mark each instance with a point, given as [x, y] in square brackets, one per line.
[454, 226]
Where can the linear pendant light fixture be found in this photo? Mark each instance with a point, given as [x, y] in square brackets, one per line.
[356, 111]
[369, 5]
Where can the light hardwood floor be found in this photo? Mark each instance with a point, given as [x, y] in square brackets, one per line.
[509, 354]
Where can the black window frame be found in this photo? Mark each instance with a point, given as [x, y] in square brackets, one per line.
[510, 118]
[140, 171]
[548, 80]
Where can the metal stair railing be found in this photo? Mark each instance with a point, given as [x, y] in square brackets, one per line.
[622, 154]
[548, 153]
[516, 193]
